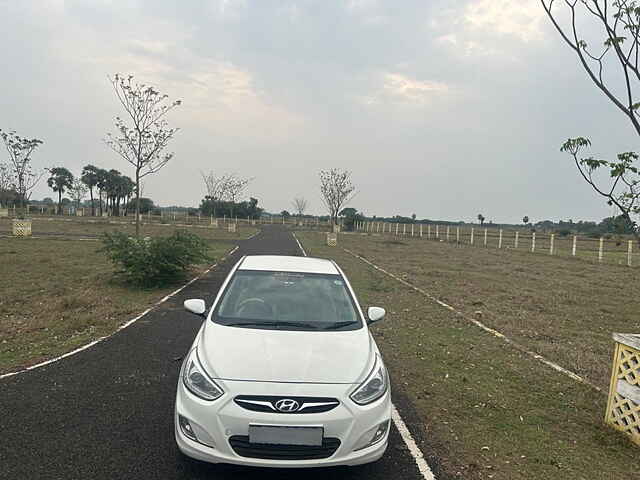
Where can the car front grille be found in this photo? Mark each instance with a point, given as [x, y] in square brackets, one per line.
[241, 445]
[270, 403]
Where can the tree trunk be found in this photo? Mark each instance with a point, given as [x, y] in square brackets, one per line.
[59, 202]
[100, 200]
[93, 206]
[137, 203]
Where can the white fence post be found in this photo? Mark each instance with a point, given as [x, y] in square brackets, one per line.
[485, 237]
[448, 230]
[515, 243]
[551, 242]
[397, 229]
[437, 231]
[629, 252]
[420, 230]
[601, 249]
[378, 227]
[457, 234]
[471, 241]
[404, 229]
[533, 242]
[574, 245]
[429, 231]
[500, 239]
[412, 229]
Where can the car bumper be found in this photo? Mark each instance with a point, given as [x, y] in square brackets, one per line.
[216, 422]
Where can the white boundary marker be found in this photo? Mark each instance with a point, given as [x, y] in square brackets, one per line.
[414, 450]
[299, 244]
[490, 330]
[123, 326]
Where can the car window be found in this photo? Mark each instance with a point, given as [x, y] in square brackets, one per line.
[285, 300]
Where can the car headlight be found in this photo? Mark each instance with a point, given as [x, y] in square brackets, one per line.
[196, 379]
[374, 386]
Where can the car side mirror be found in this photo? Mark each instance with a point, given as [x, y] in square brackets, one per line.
[376, 314]
[195, 305]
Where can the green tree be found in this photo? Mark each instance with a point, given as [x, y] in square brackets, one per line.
[143, 141]
[60, 179]
[481, 219]
[525, 219]
[89, 177]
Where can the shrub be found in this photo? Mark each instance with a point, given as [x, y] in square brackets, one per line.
[154, 261]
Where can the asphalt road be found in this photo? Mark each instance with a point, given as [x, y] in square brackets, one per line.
[107, 412]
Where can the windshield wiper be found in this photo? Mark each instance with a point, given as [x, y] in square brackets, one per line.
[271, 324]
[335, 326]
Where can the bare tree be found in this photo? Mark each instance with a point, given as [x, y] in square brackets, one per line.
[141, 144]
[215, 185]
[20, 150]
[7, 182]
[299, 205]
[234, 188]
[336, 189]
[617, 49]
[78, 191]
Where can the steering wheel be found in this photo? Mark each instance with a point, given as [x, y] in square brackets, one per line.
[255, 305]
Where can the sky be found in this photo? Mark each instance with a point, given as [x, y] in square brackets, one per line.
[443, 109]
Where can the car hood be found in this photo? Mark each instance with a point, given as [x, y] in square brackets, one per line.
[234, 353]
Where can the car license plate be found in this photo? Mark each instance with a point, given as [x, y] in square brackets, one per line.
[280, 435]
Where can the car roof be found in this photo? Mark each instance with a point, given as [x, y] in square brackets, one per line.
[283, 263]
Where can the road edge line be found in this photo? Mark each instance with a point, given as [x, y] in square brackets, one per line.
[412, 446]
[124, 325]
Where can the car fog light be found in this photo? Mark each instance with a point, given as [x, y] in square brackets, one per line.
[373, 436]
[185, 426]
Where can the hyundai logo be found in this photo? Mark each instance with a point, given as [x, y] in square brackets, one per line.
[287, 405]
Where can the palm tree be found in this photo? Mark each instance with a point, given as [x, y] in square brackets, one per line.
[481, 218]
[89, 177]
[101, 184]
[60, 179]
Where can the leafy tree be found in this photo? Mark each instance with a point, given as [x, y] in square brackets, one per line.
[60, 180]
[413, 217]
[20, 150]
[623, 190]
[146, 205]
[525, 219]
[618, 48]
[351, 216]
[481, 219]
[89, 177]
[336, 189]
[285, 214]
[143, 142]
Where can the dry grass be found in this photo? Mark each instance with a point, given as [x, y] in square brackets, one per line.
[563, 308]
[79, 226]
[57, 294]
[490, 411]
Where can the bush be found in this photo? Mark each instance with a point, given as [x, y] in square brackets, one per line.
[153, 262]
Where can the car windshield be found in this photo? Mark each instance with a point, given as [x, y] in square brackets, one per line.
[287, 301]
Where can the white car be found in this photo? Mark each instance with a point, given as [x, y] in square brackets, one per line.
[284, 371]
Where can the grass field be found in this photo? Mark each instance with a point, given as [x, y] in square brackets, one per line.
[489, 410]
[57, 292]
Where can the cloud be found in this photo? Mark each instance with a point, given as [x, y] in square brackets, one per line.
[400, 89]
[518, 18]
